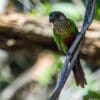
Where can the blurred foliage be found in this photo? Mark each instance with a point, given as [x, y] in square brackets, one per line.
[51, 71]
[92, 95]
[3, 85]
[92, 91]
[5, 75]
[97, 10]
[44, 9]
[4, 81]
[71, 10]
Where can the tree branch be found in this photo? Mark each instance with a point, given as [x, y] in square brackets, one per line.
[22, 31]
[74, 50]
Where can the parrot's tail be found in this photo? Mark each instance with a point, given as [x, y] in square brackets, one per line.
[79, 74]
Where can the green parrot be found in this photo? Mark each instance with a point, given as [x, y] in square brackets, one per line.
[65, 32]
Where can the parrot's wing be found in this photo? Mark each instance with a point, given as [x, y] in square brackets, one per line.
[72, 27]
[57, 39]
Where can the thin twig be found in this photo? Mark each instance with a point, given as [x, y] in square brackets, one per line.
[65, 71]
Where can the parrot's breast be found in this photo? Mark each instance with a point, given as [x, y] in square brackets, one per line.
[68, 40]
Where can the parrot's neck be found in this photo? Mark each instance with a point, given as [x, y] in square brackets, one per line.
[60, 27]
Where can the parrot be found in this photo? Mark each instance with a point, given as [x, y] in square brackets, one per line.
[64, 33]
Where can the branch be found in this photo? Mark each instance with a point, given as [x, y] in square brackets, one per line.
[74, 50]
[21, 31]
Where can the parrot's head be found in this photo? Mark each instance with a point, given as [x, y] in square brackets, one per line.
[56, 16]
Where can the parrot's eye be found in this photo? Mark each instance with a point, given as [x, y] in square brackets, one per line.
[57, 16]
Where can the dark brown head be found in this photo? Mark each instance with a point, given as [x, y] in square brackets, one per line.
[56, 16]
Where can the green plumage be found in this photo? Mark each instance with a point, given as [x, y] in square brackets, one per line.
[65, 32]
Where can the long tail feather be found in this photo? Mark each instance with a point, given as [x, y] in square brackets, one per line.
[79, 74]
